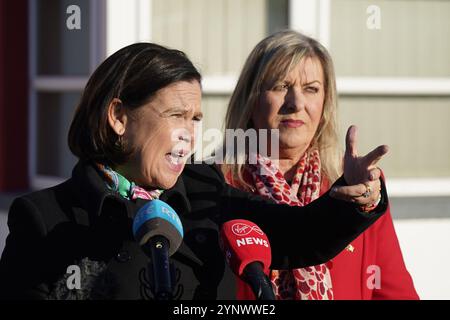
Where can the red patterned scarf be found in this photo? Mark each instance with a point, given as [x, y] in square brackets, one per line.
[311, 283]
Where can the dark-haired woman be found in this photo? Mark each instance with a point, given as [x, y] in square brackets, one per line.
[132, 132]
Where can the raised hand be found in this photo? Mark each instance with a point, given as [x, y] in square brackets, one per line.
[361, 173]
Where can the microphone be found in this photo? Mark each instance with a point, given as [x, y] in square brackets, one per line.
[247, 252]
[158, 230]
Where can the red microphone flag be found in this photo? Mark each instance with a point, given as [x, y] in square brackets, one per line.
[244, 242]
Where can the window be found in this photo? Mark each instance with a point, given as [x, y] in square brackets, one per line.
[394, 82]
[60, 62]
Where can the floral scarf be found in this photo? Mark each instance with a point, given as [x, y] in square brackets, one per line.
[311, 283]
[128, 190]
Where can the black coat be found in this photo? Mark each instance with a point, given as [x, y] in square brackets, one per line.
[81, 222]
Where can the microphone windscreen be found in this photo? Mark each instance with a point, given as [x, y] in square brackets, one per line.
[243, 242]
[157, 218]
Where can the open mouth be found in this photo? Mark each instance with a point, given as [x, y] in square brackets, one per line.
[177, 159]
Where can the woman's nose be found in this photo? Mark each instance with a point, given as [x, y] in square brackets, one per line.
[182, 134]
[295, 100]
[185, 136]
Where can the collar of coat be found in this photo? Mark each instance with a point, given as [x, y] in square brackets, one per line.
[94, 194]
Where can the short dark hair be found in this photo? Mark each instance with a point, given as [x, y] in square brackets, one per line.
[133, 74]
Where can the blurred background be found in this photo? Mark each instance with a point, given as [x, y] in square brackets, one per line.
[393, 76]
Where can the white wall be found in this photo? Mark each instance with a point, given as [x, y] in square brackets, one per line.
[426, 249]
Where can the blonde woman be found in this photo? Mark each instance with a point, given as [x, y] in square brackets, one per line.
[288, 83]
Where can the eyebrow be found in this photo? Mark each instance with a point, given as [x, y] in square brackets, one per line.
[199, 115]
[182, 111]
[311, 82]
[305, 84]
[176, 109]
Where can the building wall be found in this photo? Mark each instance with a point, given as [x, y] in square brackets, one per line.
[412, 42]
[13, 95]
[216, 34]
[219, 34]
[416, 129]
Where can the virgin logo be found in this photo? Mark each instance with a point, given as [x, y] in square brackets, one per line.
[242, 229]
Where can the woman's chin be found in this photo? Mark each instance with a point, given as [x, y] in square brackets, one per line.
[167, 186]
[168, 181]
[293, 142]
[168, 174]
[289, 145]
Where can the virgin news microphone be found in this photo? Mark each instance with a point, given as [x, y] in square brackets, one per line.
[247, 252]
[158, 230]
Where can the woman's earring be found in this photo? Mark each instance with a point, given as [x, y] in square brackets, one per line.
[119, 142]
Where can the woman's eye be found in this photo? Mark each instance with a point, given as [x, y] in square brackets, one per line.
[281, 87]
[197, 119]
[312, 89]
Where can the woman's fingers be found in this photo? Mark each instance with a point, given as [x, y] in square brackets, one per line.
[352, 172]
[355, 193]
[350, 141]
[375, 155]
[360, 169]
[348, 193]
[374, 174]
[373, 195]
[339, 193]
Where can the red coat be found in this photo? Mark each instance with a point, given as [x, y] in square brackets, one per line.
[375, 252]
[377, 246]
[375, 249]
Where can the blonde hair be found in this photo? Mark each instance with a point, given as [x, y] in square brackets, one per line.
[271, 60]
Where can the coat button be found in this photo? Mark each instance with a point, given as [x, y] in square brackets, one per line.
[123, 256]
